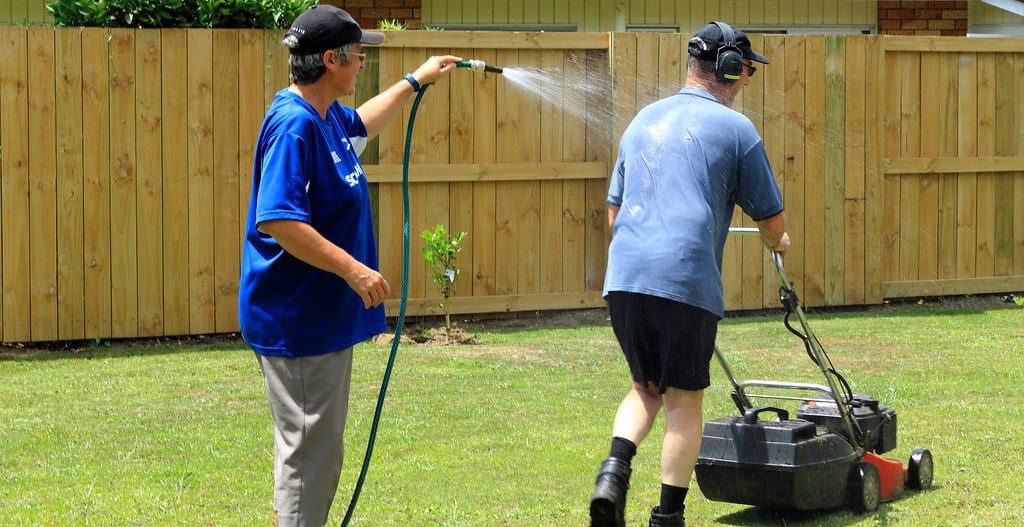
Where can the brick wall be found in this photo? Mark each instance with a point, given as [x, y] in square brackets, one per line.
[934, 17]
[370, 12]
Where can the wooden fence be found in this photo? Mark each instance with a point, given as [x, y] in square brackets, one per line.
[125, 161]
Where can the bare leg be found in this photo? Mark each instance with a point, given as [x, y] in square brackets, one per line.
[683, 432]
[637, 412]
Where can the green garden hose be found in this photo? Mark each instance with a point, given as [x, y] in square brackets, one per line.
[476, 65]
[401, 310]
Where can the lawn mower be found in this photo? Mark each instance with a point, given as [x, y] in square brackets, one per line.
[826, 457]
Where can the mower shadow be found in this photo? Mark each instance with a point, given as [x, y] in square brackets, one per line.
[759, 517]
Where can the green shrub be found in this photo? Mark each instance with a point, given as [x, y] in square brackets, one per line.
[259, 14]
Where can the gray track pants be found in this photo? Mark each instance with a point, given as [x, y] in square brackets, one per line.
[308, 399]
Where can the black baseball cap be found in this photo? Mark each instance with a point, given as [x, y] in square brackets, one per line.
[324, 27]
[711, 38]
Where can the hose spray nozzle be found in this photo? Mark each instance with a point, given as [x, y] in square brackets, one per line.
[479, 65]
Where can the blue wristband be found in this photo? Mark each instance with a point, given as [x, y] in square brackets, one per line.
[412, 80]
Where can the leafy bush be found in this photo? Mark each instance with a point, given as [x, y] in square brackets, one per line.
[260, 14]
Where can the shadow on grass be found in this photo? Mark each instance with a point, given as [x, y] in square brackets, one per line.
[759, 516]
[118, 348]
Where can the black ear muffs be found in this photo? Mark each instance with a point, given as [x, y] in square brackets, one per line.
[729, 62]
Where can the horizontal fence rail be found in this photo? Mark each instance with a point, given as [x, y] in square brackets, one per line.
[126, 158]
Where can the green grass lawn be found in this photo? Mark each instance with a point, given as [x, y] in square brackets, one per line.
[506, 432]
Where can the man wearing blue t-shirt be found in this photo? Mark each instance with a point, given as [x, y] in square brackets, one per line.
[684, 163]
[310, 287]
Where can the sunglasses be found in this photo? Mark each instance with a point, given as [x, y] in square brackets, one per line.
[750, 69]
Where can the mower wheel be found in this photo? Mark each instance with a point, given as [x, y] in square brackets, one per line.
[920, 469]
[865, 489]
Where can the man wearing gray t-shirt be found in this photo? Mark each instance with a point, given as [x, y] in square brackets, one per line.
[685, 162]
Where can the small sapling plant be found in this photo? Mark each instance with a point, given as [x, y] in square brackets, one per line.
[439, 250]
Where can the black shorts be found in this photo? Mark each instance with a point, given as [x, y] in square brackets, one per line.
[666, 343]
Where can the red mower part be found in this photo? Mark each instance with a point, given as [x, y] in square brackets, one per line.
[892, 473]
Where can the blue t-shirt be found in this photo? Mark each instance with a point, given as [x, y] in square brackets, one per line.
[684, 163]
[306, 169]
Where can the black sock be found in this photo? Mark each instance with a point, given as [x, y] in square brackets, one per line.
[672, 499]
[623, 449]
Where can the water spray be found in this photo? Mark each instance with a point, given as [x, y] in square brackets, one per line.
[479, 65]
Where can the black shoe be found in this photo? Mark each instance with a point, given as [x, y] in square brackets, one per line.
[608, 502]
[666, 520]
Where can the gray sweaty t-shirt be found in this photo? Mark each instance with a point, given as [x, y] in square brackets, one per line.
[684, 163]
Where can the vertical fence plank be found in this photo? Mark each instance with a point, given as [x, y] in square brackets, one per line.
[947, 192]
[96, 187]
[600, 144]
[910, 146]
[149, 198]
[389, 213]
[528, 217]
[202, 295]
[124, 270]
[42, 183]
[987, 89]
[647, 53]
[775, 146]
[671, 63]
[552, 128]
[276, 75]
[1005, 144]
[573, 206]
[461, 144]
[175, 147]
[814, 171]
[794, 172]
[624, 83]
[891, 187]
[928, 184]
[485, 133]
[250, 100]
[875, 85]
[15, 237]
[226, 216]
[967, 183]
[70, 205]
[437, 206]
[853, 147]
[834, 168]
[508, 136]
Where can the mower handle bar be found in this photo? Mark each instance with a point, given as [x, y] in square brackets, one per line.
[741, 388]
[776, 256]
